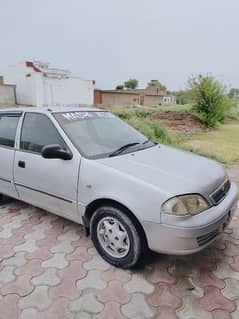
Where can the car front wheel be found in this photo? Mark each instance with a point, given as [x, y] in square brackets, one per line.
[116, 237]
[4, 199]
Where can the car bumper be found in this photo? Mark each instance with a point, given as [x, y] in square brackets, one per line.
[190, 234]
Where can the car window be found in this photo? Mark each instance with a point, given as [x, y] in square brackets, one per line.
[38, 131]
[8, 128]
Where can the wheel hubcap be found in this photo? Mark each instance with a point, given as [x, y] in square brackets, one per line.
[113, 237]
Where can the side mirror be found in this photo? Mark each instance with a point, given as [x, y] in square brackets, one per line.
[56, 151]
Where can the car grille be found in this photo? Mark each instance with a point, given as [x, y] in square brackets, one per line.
[221, 192]
[204, 239]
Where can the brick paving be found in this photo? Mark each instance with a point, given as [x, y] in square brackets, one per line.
[50, 270]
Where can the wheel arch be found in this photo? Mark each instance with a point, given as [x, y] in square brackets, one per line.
[90, 209]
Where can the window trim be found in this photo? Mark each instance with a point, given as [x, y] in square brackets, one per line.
[11, 114]
[21, 130]
[15, 115]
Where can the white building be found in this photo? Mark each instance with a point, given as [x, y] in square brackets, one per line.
[169, 99]
[7, 94]
[39, 85]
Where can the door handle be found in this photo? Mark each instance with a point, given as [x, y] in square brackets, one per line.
[22, 164]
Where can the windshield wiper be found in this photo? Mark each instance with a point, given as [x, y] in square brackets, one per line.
[122, 148]
[148, 141]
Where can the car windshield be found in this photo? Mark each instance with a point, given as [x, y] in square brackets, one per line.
[99, 134]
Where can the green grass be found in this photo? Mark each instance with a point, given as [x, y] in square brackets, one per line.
[140, 119]
[150, 110]
[153, 129]
[233, 113]
[221, 143]
[177, 107]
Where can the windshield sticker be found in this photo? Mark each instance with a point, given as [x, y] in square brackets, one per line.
[76, 116]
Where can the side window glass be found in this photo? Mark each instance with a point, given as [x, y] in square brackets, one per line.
[38, 131]
[8, 129]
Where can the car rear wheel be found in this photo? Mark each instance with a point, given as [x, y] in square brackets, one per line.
[116, 237]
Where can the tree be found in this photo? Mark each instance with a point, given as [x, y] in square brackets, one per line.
[211, 100]
[119, 87]
[157, 84]
[182, 96]
[131, 84]
[234, 93]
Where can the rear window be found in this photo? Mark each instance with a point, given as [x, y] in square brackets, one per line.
[8, 129]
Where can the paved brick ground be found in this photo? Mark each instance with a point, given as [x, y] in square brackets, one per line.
[50, 270]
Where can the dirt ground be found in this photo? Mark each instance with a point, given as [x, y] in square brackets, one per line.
[184, 122]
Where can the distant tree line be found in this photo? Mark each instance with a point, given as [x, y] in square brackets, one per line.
[133, 84]
[130, 84]
[234, 93]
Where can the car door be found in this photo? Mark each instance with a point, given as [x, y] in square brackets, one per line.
[47, 183]
[8, 128]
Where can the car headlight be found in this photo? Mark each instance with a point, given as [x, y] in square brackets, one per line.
[185, 205]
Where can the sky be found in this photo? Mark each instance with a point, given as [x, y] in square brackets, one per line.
[111, 41]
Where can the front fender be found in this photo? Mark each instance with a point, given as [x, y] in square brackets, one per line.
[98, 181]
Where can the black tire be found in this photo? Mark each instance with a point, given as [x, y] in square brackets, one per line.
[136, 238]
[4, 199]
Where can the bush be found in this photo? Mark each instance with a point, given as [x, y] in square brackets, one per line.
[154, 130]
[143, 126]
[143, 113]
[140, 119]
[161, 133]
[124, 114]
[211, 101]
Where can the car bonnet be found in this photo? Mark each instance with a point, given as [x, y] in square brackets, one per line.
[170, 169]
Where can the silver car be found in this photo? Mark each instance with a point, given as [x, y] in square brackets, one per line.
[131, 194]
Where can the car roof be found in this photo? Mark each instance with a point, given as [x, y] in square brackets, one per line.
[52, 109]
